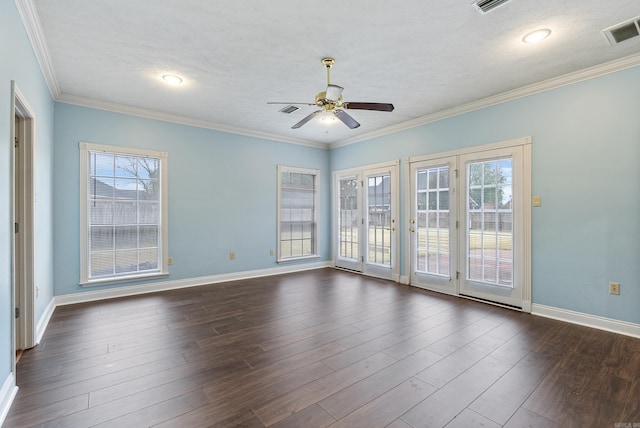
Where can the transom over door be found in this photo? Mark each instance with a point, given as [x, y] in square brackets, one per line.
[468, 224]
[365, 220]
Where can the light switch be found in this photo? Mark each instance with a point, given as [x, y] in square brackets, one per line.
[536, 201]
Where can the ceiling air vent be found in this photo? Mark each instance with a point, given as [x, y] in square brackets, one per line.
[288, 109]
[621, 32]
[485, 6]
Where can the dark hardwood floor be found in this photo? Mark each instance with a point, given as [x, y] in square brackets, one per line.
[317, 349]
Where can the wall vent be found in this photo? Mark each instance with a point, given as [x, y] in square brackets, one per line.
[288, 109]
[485, 6]
[621, 32]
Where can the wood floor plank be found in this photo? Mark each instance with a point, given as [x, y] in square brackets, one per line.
[527, 418]
[229, 368]
[133, 403]
[159, 412]
[388, 407]
[470, 419]
[369, 348]
[360, 393]
[37, 415]
[443, 405]
[312, 416]
[295, 401]
[320, 348]
[447, 369]
[229, 400]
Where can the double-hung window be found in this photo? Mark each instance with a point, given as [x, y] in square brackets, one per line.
[297, 213]
[123, 213]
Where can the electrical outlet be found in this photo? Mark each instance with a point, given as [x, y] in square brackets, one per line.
[614, 288]
[272, 252]
[232, 255]
[169, 260]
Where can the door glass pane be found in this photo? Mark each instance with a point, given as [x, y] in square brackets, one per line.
[490, 222]
[432, 226]
[348, 219]
[379, 219]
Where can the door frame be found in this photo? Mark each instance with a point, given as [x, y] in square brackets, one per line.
[361, 174]
[525, 143]
[23, 198]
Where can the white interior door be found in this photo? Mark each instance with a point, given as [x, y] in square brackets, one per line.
[433, 224]
[365, 220]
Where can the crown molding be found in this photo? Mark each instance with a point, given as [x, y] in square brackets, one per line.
[525, 91]
[31, 24]
[152, 114]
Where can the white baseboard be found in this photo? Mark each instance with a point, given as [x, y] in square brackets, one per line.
[43, 322]
[112, 293]
[7, 394]
[594, 321]
[404, 279]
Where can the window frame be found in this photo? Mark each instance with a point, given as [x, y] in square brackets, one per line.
[162, 156]
[316, 204]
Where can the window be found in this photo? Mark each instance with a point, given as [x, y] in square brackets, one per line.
[432, 231]
[490, 214]
[297, 213]
[123, 205]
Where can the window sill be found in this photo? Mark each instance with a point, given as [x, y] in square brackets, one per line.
[125, 278]
[298, 259]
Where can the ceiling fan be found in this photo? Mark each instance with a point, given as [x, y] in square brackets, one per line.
[331, 102]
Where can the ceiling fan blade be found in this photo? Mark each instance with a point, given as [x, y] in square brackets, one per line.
[334, 92]
[306, 119]
[346, 119]
[300, 104]
[369, 106]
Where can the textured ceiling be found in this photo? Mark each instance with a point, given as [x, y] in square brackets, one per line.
[423, 56]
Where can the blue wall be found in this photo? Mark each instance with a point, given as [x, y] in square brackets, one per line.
[221, 192]
[586, 148]
[19, 64]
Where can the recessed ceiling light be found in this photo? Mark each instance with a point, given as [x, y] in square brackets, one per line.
[172, 79]
[536, 36]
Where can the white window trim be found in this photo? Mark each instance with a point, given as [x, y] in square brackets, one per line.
[164, 223]
[316, 172]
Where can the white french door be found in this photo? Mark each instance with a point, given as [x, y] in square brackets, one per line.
[469, 223]
[366, 220]
[493, 218]
[433, 224]
[349, 222]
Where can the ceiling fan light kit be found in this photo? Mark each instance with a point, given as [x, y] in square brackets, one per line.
[331, 102]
